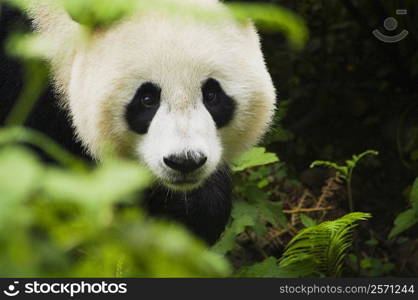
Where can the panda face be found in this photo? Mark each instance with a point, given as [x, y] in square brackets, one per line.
[180, 144]
[181, 95]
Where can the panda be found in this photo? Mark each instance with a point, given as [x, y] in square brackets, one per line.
[181, 95]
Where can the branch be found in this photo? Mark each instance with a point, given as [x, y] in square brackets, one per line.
[302, 210]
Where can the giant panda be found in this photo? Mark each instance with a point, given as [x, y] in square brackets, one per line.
[181, 95]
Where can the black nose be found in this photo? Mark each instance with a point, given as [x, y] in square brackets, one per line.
[187, 162]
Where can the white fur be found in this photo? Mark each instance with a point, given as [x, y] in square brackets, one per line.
[99, 76]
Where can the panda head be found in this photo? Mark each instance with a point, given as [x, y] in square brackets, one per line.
[181, 95]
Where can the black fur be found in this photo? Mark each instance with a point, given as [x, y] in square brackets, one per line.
[143, 107]
[205, 211]
[218, 103]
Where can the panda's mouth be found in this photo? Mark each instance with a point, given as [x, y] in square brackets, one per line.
[183, 183]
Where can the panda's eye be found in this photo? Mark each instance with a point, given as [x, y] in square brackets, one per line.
[149, 101]
[217, 102]
[143, 107]
[211, 93]
[148, 96]
[211, 98]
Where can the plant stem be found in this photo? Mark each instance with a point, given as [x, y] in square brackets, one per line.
[35, 81]
[50, 147]
[349, 191]
[299, 210]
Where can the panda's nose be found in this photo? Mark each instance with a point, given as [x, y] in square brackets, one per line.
[186, 162]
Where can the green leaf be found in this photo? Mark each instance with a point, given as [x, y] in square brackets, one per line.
[350, 164]
[105, 185]
[357, 158]
[372, 242]
[243, 215]
[269, 268]
[104, 13]
[20, 173]
[366, 263]
[99, 13]
[408, 218]
[266, 211]
[47, 215]
[307, 221]
[404, 221]
[271, 212]
[342, 169]
[253, 215]
[253, 158]
[273, 17]
[15, 135]
[321, 249]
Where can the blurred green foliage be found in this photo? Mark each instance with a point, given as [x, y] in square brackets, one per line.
[104, 13]
[66, 222]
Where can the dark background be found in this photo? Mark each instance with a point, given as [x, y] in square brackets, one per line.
[347, 92]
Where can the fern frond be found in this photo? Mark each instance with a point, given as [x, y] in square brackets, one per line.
[321, 249]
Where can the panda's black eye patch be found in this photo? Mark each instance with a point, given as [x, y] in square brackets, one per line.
[217, 102]
[143, 107]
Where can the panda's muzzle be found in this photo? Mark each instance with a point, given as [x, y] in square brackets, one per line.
[186, 162]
